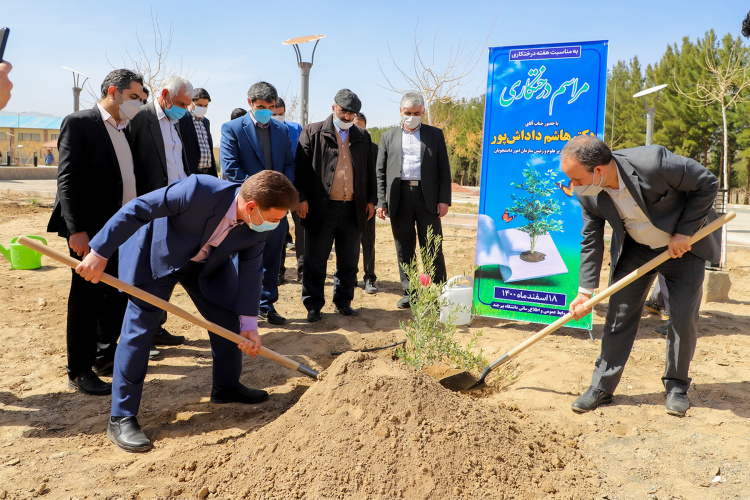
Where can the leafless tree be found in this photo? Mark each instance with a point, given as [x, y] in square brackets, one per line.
[154, 62]
[725, 84]
[435, 83]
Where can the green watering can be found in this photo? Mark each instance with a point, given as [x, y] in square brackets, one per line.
[21, 257]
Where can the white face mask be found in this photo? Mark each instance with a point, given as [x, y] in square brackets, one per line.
[590, 189]
[411, 122]
[128, 109]
[279, 118]
[199, 111]
[342, 124]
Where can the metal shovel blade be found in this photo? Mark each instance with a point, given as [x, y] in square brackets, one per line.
[460, 382]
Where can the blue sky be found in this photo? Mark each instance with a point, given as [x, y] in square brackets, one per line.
[225, 46]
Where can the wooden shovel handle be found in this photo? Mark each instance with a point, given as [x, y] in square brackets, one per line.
[626, 280]
[163, 304]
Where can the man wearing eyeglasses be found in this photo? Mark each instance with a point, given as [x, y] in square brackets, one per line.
[335, 177]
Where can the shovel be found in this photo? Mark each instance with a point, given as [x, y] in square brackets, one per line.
[465, 381]
[163, 304]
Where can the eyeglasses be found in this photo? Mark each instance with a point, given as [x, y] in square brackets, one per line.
[345, 111]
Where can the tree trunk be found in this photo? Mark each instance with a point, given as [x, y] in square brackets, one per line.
[726, 149]
[747, 185]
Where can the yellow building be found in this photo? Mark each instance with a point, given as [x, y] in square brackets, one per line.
[26, 137]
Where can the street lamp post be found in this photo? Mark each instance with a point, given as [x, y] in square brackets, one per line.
[650, 112]
[304, 69]
[77, 87]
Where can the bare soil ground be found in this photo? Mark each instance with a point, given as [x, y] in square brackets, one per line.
[371, 428]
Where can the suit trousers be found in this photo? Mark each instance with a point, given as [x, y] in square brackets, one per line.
[684, 280]
[95, 313]
[140, 326]
[368, 250]
[271, 262]
[299, 247]
[412, 209]
[339, 225]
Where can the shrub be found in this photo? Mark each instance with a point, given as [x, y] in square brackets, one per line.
[429, 341]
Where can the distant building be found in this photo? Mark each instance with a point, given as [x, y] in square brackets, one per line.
[22, 136]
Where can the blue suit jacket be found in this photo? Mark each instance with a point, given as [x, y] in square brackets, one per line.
[162, 230]
[240, 154]
[295, 130]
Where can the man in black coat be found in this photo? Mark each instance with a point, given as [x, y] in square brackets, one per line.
[195, 130]
[335, 177]
[414, 185]
[95, 178]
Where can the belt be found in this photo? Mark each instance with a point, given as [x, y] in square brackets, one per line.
[411, 183]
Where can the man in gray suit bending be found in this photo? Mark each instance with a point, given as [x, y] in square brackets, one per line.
[414, 185]
[655, 201]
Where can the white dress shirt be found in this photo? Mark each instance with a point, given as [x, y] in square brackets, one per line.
[411, 154]
[122, 151]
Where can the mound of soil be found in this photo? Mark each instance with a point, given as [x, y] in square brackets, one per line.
[374, 428]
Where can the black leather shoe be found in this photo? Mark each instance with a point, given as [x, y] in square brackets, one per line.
[239, 394]
[89, 383]
[103, 368]
[346, 311]
[403, 302]
[677, 403]
[590, 399]
[163, 337]
[272, 317]
[127, 434]
[313, 316]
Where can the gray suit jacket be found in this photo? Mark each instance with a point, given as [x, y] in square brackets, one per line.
[147, 145]
[436, 170]
[675, 193]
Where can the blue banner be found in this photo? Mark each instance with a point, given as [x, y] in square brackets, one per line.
[529, 223]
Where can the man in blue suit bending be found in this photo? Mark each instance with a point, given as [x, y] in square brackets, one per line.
[251, 144]
[208, 235]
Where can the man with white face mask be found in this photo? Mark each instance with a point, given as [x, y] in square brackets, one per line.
[95, 178]
[654, 201]
[336, 181]
[414, 185]
[195, 130]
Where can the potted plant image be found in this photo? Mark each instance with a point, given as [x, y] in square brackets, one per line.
[533, 201]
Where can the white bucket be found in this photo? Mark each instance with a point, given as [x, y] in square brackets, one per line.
[457, 297]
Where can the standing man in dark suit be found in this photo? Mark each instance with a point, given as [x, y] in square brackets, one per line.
[158, 154]
[95, 178]
[368, 235]
[654, 201]
[195, 131]
[336, 181]
[208, 235]
[250, 145]
[414, 185]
